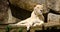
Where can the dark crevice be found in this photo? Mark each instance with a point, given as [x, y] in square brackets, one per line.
[20, 13]
[52, 30]
[45, 17]
[54, 12]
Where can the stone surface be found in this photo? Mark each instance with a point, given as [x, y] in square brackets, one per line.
[2, 30]
[53, 18]
[14, 30]
[34, 28]
[17, 29]
[54, 5]
[29, 4]
[52, 24]
[5, 13]
[3, 27]
[6, 28]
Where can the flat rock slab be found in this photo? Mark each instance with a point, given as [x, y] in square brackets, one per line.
[51, 24]
[53, 18]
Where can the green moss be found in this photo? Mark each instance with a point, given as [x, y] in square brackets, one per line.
[20, 29]
[8, 28]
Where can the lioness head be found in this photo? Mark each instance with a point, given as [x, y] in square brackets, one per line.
[38, 9]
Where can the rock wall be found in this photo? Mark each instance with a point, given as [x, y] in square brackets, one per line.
[29, 4]
[52, 17]
[3, 11]
[54, 5]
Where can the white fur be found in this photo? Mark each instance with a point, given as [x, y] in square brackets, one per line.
[34, 19]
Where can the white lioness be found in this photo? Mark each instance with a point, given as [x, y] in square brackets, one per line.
[35, 18]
